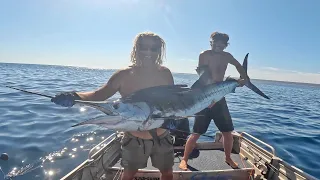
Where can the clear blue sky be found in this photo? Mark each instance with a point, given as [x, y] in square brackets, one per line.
[282, 37]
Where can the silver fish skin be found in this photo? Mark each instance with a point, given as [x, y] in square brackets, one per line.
[149, 108]
[130, 115]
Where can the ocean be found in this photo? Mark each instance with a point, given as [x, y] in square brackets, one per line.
[34, 131]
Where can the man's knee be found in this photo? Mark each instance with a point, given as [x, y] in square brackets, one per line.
[193, 139]
[162, 156]
[227, 134]
[195, 136]
[201, 125]
[227, 137]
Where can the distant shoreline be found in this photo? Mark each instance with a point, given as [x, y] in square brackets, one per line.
[266, 80]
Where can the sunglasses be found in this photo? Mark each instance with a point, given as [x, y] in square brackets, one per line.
[215, 43]
[142, 47]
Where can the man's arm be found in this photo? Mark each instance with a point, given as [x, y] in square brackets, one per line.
[202, 59]
[239, 68]
[106, 91]
[168, 76]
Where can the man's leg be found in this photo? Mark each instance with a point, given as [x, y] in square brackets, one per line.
[134, 154]
[223, 121]
[162, 156]
[227, 145]
[201, 124]
[190, 145]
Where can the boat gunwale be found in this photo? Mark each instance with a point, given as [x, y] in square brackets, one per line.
[186, 172]
[215, 146]
[285, 165]
[98, 153]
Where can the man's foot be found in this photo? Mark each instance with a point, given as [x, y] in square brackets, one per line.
[183, 165]
[233, 164]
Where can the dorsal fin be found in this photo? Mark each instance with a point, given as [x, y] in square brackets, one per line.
[245, 64]
[204, 76]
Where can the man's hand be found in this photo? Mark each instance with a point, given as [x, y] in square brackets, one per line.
[244, 78]
[65, 99]
[241, 82]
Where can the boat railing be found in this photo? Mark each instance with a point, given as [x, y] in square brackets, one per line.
[281, 167]
[101, 144]
[258, 140]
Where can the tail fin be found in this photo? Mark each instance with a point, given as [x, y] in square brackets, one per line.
[245, 63]
[249, 84]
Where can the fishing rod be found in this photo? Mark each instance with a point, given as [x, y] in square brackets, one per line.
[47, 96]
[29, 92]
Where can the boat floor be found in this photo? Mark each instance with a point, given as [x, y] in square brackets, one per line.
[207, 160]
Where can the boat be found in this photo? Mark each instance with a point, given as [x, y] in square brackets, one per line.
[257, 161]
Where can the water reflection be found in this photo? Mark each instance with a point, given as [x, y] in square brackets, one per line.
[49, 166]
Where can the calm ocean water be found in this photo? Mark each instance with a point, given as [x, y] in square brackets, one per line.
[33, 129]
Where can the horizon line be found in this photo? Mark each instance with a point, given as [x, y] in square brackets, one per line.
[297, 82]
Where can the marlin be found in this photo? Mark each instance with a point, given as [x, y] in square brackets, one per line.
[150, 108]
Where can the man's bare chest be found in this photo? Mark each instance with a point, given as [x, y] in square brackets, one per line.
[217, 62]
[138, 82]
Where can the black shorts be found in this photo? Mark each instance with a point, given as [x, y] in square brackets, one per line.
[219, 113]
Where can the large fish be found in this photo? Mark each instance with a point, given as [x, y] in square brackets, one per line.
[149, 108]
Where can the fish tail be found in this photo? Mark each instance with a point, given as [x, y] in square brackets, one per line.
[249, 84]
[256, 90]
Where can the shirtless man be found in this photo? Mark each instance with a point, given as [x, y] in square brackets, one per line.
[146, 56]
[217, 60]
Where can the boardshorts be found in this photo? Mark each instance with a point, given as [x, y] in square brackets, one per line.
[136, 151]
[219, 113]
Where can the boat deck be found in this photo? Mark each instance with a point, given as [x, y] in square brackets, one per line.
[207, 160]
[209, 164]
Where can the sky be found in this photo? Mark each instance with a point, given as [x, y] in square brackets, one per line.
[282, 37]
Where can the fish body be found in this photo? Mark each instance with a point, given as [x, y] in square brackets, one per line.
[145, 113]
[149, 108]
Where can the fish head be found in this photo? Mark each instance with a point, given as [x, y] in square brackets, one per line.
[117, 107]
[119, 115]
[129, 117]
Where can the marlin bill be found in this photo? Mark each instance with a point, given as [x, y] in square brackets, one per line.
[149, 108]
